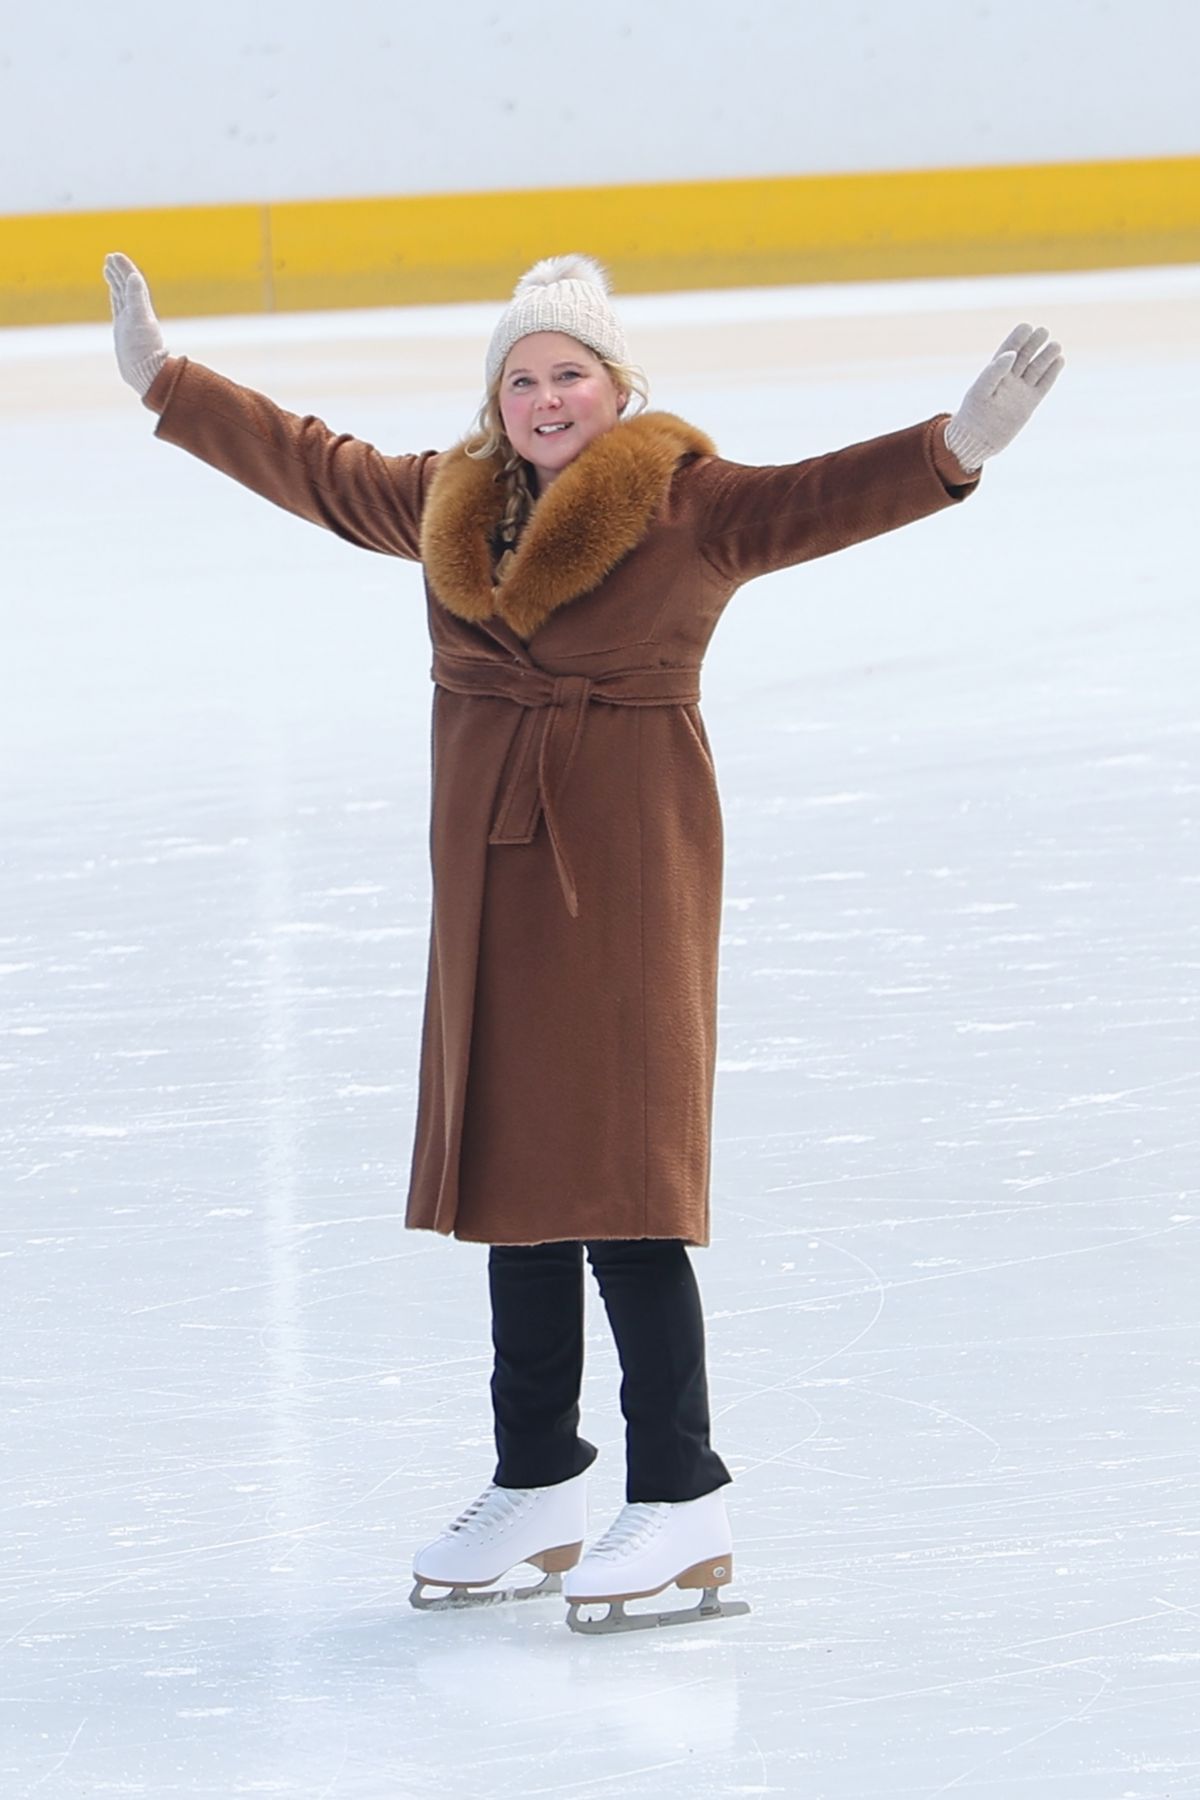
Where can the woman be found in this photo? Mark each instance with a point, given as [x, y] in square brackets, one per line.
[576, 562]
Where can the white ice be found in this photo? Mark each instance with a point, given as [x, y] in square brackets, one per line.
[953, 1290]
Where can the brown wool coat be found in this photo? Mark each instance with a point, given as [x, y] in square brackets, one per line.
[569, 1041]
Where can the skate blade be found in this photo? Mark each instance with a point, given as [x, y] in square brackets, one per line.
[617, 1620]
[458, 1599]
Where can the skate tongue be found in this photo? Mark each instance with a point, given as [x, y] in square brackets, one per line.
[635, 1524]
[493, 1504]
[469, 1513]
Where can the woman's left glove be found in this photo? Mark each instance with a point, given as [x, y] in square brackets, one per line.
[138, 339]
[999, 401]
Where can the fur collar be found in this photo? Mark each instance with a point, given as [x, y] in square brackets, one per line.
[592, 516]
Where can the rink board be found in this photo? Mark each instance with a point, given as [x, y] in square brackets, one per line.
[424, 249]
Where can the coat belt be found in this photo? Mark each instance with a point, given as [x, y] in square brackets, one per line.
[544, 749]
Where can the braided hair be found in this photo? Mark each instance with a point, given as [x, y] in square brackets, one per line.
[519, 499]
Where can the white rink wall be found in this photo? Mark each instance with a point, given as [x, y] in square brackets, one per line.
[160, 106]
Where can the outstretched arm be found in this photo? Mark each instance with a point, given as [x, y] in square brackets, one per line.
[755, 520]
[332, 480]
[758, 519]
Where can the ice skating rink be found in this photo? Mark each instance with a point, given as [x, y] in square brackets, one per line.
[953, 1289]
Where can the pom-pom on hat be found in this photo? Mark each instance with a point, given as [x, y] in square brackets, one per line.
[560, 293]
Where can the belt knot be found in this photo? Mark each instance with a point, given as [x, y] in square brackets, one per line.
[544, 748]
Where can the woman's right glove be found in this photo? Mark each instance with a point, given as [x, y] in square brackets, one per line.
[141, 352]
[999, 401]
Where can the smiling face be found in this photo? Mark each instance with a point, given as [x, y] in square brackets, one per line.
[555, 397]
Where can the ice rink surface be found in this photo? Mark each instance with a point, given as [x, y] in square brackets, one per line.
[955, 1355]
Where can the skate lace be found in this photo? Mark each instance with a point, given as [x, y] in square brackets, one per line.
[493, 1506]
[633, 1526]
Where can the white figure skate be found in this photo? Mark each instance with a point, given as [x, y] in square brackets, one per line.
[649, 1546]
[544, 1526]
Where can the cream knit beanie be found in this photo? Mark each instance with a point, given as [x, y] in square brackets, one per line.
[561, 293]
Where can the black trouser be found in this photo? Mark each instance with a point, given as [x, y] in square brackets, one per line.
[653, 1306]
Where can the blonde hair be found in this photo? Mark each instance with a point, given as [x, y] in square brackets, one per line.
[488, 438]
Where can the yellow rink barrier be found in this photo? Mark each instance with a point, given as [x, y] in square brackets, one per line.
[291, 256]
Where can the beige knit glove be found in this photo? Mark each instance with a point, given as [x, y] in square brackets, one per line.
[141, 352]
[999, 401]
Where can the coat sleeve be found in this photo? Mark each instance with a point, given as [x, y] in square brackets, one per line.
[339, 482]
[754, 520]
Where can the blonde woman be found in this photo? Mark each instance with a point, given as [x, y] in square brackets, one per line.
[577, 553]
